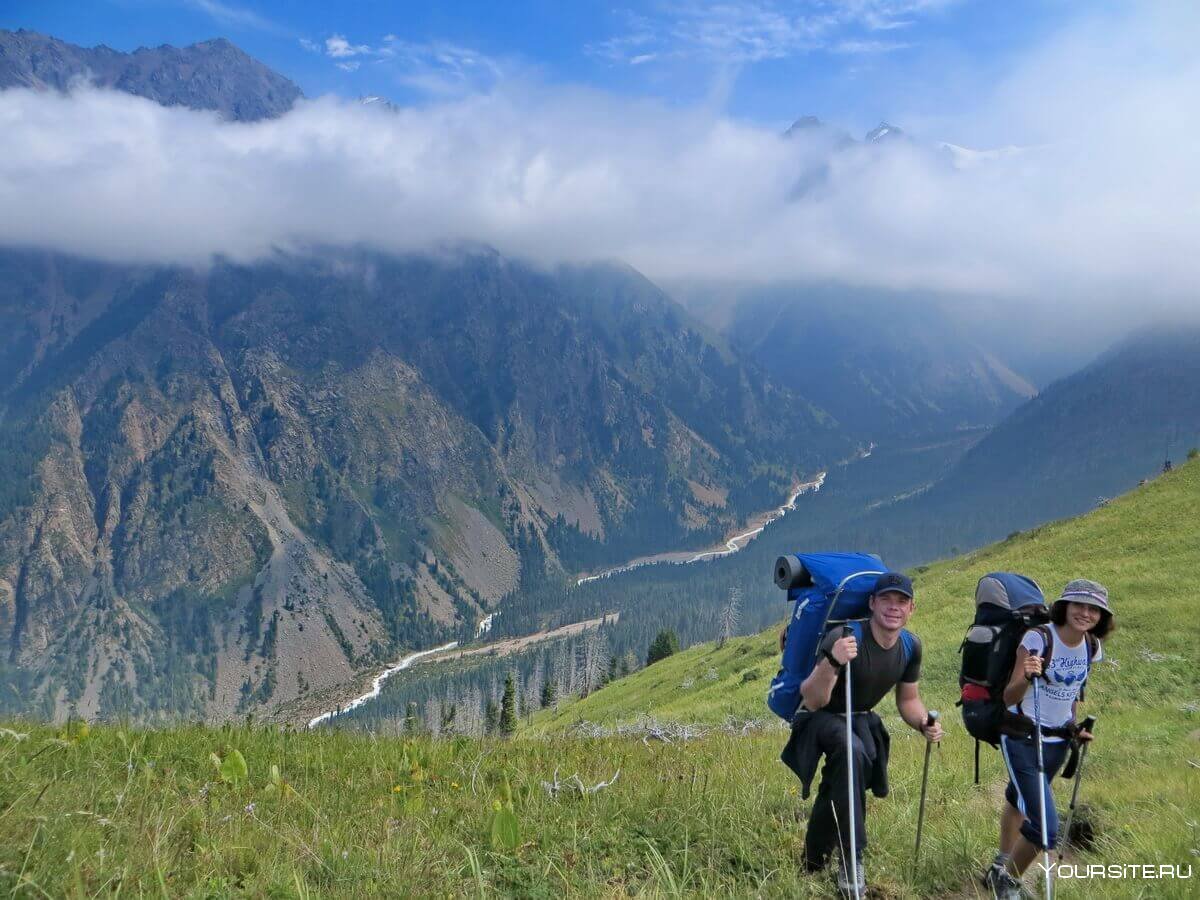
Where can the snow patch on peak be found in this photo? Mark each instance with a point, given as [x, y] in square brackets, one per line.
[883, 131]
[968, 158]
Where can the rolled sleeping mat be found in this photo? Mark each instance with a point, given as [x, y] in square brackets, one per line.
[790, 573]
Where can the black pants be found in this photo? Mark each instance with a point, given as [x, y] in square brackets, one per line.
[830, 823]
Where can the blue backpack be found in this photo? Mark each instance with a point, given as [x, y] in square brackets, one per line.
[828, 589]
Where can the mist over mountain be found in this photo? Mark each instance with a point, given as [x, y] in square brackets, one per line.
[213, 75]
[555, 172]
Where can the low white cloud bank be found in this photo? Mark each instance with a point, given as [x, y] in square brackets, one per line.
[1104, 207]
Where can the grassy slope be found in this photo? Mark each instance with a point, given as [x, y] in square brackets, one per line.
[1146, 548]
[142, 813]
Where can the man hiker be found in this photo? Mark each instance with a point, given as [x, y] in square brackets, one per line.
[885, 658]
[1079, 620]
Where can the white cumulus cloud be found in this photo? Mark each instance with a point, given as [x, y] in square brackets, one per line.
[338, 47]
[1101, 210]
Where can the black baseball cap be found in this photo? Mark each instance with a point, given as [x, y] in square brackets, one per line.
[894, 581]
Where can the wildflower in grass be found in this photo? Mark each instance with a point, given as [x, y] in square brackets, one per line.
[250, 807]
[398, 789]
[455, 785]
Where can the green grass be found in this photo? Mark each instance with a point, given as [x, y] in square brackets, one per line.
[122, 811]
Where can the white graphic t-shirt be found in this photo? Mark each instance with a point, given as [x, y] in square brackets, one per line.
[1067, 672]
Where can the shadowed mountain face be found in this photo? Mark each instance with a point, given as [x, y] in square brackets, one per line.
[212, 74]
[1084, 439]
[884, 364]
[1091, 435]
[234, 489]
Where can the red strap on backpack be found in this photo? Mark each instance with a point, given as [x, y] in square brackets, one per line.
[975, 692]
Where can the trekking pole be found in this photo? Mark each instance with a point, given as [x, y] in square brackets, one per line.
[933, 717]
[1043, 786]
[1088, 724]
[852, 867]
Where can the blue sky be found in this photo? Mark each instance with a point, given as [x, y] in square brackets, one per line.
[853, 62]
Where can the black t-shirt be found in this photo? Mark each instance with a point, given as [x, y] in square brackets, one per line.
[875, 671]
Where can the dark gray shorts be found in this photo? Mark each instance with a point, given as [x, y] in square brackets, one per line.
[1026, 789]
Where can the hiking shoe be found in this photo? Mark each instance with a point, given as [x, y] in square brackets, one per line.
[991, 876]
[846, 886]
[1002, 885]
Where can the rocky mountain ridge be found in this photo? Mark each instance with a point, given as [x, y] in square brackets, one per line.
[213, 74]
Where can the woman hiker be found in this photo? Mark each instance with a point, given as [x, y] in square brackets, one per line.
[1061, 654]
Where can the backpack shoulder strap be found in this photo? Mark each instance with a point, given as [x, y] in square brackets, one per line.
[908, 645]
[1093, 645]
[1047, 654]
[908, 640]
[1048, 641]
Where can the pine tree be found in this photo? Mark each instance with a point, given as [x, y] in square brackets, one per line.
[508, 708]
[412, 718]
[549, 693]
[491, 717]
[665, 644]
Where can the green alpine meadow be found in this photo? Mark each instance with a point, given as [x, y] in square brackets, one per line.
[664, 783]
[540, 450]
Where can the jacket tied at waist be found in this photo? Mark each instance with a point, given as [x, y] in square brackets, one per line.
[803, 751]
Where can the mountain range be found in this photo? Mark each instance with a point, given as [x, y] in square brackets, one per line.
[274, 474]
[213, 75]
[238, 487]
